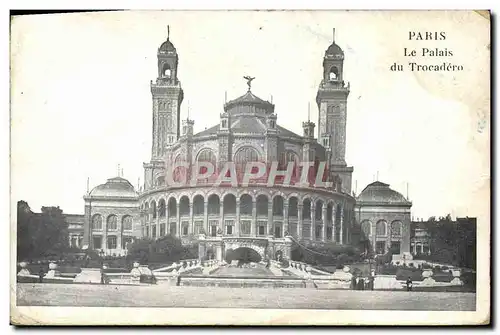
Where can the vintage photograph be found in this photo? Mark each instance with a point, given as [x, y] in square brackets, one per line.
[321, 163]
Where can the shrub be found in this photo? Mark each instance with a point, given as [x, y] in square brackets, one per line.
[397, 263]
[410, 265]
[149, 279]
[285, 263]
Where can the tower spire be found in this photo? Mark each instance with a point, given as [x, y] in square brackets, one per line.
[308, 112]
[118, 170]
[333, 40]
[168, 32]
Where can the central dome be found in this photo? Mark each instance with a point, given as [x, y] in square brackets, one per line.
[249, 103]
[379, 192]
[115, 187]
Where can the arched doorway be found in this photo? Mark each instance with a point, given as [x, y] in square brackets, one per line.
[243, 255]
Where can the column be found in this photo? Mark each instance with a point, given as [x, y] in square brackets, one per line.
[167, 226]
[313, 221]
[299, 222]
[334, 228]
[389, 234]
[253, 226]
[119, 235]
[70, 237]
[179, 228]
[157, 225]
[205, 219]
[374, 236]
[270, 218]
[237, 223]
[104, 238]
[342, 224]
[414, 248]
[286, 227]
[324, 219]
[191, 223]
[221, 216]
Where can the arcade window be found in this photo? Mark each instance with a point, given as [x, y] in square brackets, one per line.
[262, 228]
[173, 229]
[306, 231]
[97, 241]
[184, 229]
[318, 232]
[198, 226]
[395, 247]
[153, 231]
[245, 227]
[112, 242]
[380, 247]
[329, 233]
[277, 231]
[213, 227]
[229, 227]
[162, 230]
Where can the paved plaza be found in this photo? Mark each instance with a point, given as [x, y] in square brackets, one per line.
[183, 296]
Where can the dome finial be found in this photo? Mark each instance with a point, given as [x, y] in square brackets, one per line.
[333, 35]
[249, 81]
[168, 32]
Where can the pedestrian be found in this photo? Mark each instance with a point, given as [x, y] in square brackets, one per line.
[362, 284]
[353, 283]
[40, 275]
[371, 282]
[409, 284]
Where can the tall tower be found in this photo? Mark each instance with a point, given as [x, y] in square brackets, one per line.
[332, 104]
[167, 98]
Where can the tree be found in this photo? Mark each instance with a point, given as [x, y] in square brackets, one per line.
[40, 235]
[163, 250]
[139, 250]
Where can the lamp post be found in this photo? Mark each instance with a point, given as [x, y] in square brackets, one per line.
[101, 254]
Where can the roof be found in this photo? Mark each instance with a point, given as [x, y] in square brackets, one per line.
[167, 46]
[334, 50]
[378, 192]
[248, 98]
[248, 126]
[75, 218]
[114, 187]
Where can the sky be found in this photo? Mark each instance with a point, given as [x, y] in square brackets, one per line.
[81, 101]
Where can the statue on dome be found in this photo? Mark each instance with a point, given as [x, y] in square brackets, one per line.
[249, 81]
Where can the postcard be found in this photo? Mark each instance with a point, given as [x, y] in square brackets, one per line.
[250, 168]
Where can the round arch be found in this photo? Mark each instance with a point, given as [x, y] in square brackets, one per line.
[172, 207]
[381, 228]
[246, 204]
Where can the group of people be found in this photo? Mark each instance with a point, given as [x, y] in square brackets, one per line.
[360, 284]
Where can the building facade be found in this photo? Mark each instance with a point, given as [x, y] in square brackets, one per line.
[384, 216]
[265, 215]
